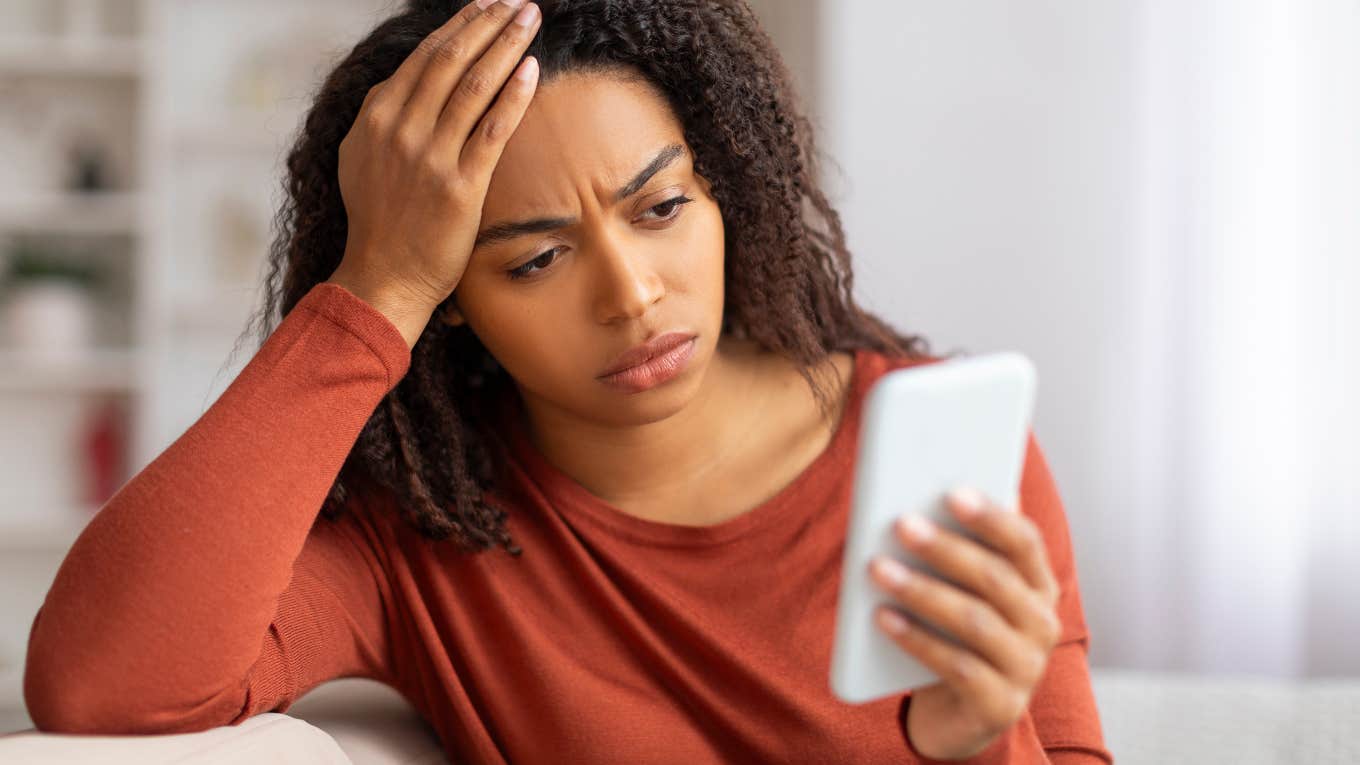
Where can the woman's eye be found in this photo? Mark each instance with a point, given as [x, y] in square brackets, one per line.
[522, 272]
[668, 210]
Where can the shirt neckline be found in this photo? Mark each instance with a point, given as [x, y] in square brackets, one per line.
[573, 499]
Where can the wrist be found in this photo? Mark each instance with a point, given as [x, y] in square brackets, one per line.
[407, 313]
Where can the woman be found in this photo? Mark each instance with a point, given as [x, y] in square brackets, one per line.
[478, 258]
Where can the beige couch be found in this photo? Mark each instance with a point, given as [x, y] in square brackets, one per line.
[351, 720]
[1151, 718]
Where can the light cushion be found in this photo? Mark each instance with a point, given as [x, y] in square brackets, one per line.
[264, 739]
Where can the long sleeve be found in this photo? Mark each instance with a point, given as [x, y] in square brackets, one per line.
[207, 589]
[1062, 725]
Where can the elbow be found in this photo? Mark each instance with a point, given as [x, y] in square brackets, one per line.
[59, 703]
[57, 707]
[54, 704]
[59, 700]
[56, 695]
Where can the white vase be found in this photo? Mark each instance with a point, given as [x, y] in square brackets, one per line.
[49, 319]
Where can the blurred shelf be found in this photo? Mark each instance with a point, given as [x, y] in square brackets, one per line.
[65, 212]
[263, 133]
[53, 533]
[71, 57]
[100, 370]
[223, 309]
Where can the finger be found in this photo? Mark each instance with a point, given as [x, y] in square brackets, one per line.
[482, 82]
[1015, 536]
[373, 92]
[483, 149]
[982, 571]
[452, 64]
[970, 620]
[371, 97]
[399, 86]
[979, 685]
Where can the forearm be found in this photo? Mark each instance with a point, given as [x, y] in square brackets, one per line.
[161, 606]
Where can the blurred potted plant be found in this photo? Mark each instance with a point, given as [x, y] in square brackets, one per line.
[48, 303]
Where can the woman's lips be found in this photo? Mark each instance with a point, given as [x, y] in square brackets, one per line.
[645, 351]
[654, 371]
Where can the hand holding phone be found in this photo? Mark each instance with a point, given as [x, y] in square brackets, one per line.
[980, 596]
[926, 429]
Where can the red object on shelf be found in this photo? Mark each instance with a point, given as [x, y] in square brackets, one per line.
[105, 445]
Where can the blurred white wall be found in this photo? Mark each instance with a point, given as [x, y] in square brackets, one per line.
[1156, 201]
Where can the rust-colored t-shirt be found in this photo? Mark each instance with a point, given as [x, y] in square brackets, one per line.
[208, 590]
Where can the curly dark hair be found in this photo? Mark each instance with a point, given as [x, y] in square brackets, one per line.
[788, 277]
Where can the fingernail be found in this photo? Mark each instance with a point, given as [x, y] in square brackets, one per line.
[893, 622]
[526, 15]
[528, 69]
[482, 4]
[917, 527]
[967, 499]
[892, 572]
[513, 3]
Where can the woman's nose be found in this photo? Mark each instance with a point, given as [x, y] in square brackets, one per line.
[627, 282]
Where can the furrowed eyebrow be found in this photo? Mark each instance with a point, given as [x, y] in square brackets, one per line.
[501, 232]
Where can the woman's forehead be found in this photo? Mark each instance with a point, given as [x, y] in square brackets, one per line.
[582, 130]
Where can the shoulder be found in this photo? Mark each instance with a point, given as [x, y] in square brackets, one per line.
[871, 364]
[846, 374]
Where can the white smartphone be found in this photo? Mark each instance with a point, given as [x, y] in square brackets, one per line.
[926, 429]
